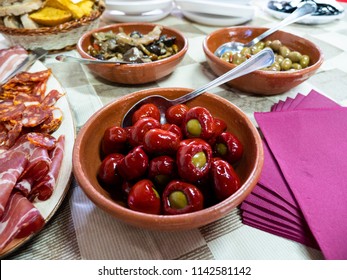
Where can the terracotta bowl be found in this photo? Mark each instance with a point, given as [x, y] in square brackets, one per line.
[86, 160]
[134, 73]
[262, 82]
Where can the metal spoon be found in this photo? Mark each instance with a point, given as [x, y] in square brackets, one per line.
[304, 9]
[262, 59]
[67, 58]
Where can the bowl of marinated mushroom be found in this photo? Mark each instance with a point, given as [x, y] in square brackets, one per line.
[147, 52]
[182, 173]
[296, 59]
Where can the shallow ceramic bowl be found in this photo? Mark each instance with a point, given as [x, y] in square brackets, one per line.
[86, 160]
[134, 73]
[262, 82]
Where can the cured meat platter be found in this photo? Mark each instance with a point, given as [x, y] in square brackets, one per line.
[66, 131]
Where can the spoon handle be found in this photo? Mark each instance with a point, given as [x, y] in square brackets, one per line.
[66, 58]
[304, 9]
[262, 59]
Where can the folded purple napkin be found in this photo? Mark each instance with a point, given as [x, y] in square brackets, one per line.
[282, 202]
[310, 147]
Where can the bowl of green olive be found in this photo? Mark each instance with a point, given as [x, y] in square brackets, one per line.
[296, 59]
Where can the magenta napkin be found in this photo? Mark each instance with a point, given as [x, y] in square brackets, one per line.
[310, 147]
[274, 193]
[287, 103]
[279, 232]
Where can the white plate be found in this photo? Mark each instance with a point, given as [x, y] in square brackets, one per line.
[49, 207]
[137, 7]
[119, 16]
[216, 8]
[307, 20]
[214, 20]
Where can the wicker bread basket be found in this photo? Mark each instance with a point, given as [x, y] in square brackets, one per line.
[63, 36]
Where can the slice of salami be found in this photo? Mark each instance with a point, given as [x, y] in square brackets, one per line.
[3, 134]
[51, 98]
[26, 77]
[34, 115]
[40, 89]
[13, 134]
[13, 112]
[20, 219]
[52, 123]
[45, 187]
[42, 140]
[26, 99]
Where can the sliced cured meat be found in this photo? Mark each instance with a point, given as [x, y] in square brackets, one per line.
[13, 134]
[38, 165]
[39, 90]
[26, 99]
[25, 186]
[37, 168]
[51, 98]
[19, 220]
[34, 115]
[27, 77]
[44, 188]
[53, 122]
[9, 59]
[12, 164]
[3, 134]
[42, 140]
[12, 112]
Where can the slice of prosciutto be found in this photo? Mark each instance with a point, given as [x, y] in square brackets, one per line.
[9, 59]
[11, 167]
[20, 219]
[37, 168]
[45, 187]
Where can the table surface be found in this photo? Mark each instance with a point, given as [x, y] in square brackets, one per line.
[79, 230]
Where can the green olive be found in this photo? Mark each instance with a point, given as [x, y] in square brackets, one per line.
[284, 51]
[304, 61]
[194, 127]
[178, 200]
[238, 58]
[296, 66]
[226, 56]
[245, 51]
[279, 58]
[295, 56]
[221, 149]
[255, 49]
[199, 160]
[268, 44]
[286, 64]
[274, 67]
[275, 45]
[260, 45]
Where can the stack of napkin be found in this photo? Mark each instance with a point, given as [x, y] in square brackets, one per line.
[302, 191]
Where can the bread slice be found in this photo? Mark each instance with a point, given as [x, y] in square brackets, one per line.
[67, 5]
[49, 16]
[86, 6]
